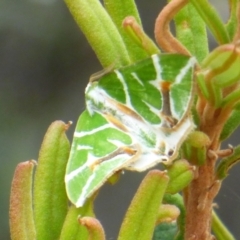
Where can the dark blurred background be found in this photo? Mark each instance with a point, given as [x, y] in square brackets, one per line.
[45, 64]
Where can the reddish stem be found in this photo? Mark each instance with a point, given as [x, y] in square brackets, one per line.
[163, 36]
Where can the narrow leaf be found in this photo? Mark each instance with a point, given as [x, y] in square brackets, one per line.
[232, 123]
[165, 231]
[21, 209]
[167, 213]
[139, 37]
[212, 19]
[94, 228]
[177, 200]
[50, 199]
[220, 231]
[221, 74]
[198, 139]
[72, 230]
[100, 31]
[191, 30]
[195, 148]
[140, 219]
[233, 23]
[181, 174]
[118, 11]
[227, 163]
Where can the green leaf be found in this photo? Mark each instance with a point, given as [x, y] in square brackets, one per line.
[167, 213]
[195, 147]
[71, 229]
[212, 20]
[139, 37]
[165, 231]
[140, 219]
[50, 200]
[100, 32]
[198, 139]
[21, 207]
[181, 173]
[118, 11]
[191, 30]
[232, 123]
[177, 200]
[227, 163]
[218, 79]
[94, 227]
[220, 231]
[233, 23]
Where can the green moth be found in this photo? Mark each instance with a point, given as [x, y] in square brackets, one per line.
[135, 117]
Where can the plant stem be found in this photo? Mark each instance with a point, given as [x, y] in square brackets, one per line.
[100, 32]
[219, 229]
[163, 36]
[201, 193]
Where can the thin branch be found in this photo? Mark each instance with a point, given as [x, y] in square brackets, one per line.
[163, 35]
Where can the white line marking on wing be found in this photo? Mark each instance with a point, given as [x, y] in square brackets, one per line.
[125, 88]
[135, 76]
[184, 70]
[85, 133]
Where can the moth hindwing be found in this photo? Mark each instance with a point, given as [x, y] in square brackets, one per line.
[135, 117]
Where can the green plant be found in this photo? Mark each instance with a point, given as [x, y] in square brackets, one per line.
[158, 210]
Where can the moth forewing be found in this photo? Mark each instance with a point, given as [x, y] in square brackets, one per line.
[165, 151]
[99, 150]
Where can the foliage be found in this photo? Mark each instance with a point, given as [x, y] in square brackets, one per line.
[176, 202]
